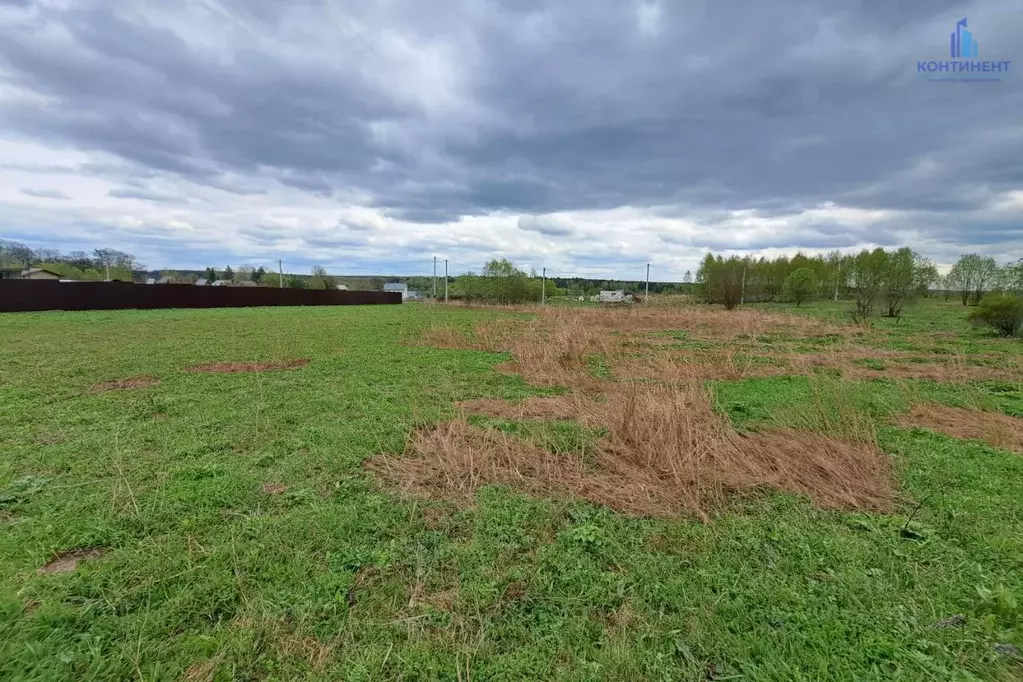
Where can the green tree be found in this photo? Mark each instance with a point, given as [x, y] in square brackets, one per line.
[866, 277]
[800, 285]
[899, 280]
[211, 275]
[15, 255]
[257, 276]
[229, 274]
[1012, 277]
[500, 283]
[722, 279]
[320, 279]
[971, 276]
[925, 276]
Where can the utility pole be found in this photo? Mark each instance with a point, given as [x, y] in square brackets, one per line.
[435, 278]
[445, 280]
[646, 297]
[280, 270]
[543, 291]
[742, 296]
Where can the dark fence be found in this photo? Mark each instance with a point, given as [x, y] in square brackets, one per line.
[18, 295]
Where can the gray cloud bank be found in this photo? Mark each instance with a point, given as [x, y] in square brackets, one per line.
[726, 125]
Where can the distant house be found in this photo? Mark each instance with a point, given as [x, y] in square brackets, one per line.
[31, 273]
[150, 280]
[397, 288]
[202, 282]
[617, 296]
[342, 287]
[414, 295]
[166, 280]
[229, 283]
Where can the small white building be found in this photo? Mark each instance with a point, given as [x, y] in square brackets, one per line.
[617, 296]
[397, 288]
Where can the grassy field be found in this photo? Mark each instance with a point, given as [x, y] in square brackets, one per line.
[210, 525]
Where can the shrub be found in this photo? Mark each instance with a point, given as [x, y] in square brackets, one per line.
[800, 285]
[1000, 311]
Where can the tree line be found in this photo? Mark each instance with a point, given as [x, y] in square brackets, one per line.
[878, 280]
[80, 265]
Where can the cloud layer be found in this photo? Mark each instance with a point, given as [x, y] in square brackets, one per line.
[587, 137]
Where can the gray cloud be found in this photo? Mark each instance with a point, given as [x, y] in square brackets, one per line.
[550, 225]
[428, 113]
[45, 193]
[141, 193]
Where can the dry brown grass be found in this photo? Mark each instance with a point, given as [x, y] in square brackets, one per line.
[200, 672]
[998, 430]
[665, 450]
[232, 367]
[536, 407]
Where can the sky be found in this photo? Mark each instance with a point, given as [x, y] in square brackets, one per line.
[590, 137]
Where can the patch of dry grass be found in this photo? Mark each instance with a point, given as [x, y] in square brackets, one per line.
[665, 450]
[998, 430]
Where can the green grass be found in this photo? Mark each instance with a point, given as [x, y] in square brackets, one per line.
[337, 578]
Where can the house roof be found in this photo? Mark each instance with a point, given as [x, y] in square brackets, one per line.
[201, 282]
[31, 271]
[395, 286]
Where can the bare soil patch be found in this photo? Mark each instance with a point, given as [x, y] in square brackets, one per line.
[232, 367]
[998, 430]
[67, 562]
[274, 488]
[124, 384]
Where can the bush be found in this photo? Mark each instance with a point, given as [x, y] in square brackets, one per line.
[1000, 311]
[799, 286]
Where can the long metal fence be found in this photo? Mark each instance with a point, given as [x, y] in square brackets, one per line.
[18, 295]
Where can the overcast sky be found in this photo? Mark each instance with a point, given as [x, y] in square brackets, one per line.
[587, 136]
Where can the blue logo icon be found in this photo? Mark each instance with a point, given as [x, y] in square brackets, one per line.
[964, 65]
[963, 45]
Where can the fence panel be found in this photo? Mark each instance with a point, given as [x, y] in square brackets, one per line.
[19, 295]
